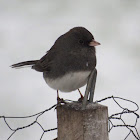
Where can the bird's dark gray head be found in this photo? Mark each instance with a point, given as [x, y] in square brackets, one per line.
[77, 37]
[81, 35]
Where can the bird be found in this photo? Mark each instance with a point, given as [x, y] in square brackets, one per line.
[67, 65]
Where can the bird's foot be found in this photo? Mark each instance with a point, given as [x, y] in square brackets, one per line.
[60, 100]
[80, 99]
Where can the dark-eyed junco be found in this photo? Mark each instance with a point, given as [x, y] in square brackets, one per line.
[69, 62]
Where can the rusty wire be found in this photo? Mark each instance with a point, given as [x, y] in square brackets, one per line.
[37, 115]
[119, 115]
[116, 116]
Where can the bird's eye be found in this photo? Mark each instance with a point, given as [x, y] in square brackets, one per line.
[81, 41]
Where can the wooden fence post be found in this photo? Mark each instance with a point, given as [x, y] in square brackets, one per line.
[77, 124]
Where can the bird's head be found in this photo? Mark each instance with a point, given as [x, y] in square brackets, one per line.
[77, 37]
[81, 36]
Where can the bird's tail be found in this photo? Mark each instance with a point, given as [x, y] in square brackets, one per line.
[25, 63]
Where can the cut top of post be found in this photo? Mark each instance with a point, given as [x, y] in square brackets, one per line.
[74, 123]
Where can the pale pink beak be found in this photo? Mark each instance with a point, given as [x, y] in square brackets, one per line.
[94, 43]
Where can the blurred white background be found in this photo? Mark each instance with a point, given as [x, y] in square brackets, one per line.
[29, 28]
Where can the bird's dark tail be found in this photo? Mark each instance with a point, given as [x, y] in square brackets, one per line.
[26, 63]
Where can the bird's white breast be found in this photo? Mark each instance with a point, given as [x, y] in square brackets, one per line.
[69, 82]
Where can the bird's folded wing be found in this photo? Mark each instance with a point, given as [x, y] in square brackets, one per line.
[44, 64]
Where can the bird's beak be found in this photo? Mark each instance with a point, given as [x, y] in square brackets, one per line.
[94, 43]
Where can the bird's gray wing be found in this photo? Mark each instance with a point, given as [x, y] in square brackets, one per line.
[44, 64]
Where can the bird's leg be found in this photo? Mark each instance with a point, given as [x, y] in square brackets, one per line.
[59, 100]
[80, 93]
[57, 95]
[90, 88]
[82, 97]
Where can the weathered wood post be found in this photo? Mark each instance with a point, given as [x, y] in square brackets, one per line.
[74, 123]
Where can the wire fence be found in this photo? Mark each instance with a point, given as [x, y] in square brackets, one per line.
[117, 116]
